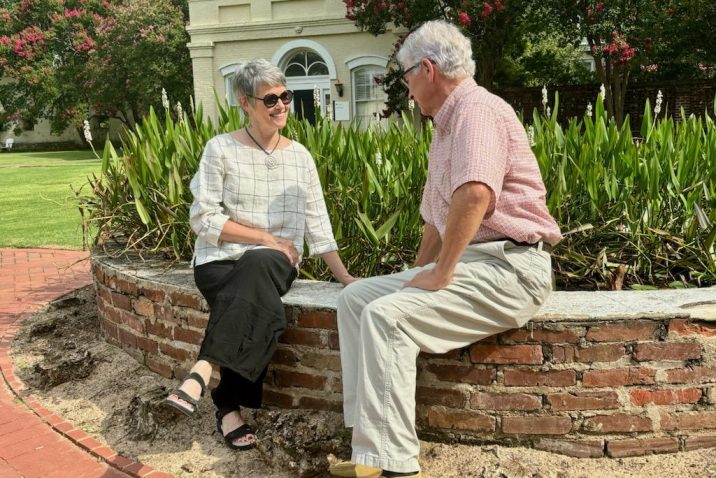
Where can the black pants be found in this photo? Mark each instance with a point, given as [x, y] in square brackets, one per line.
[245, 321]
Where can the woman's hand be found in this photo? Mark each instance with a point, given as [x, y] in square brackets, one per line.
[346, 279]
[284, 245]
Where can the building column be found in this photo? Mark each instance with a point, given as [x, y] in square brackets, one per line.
[202, 60]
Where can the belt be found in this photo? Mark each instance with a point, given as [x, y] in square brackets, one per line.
[540, 246]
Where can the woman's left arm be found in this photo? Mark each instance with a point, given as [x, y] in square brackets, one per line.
[335, 264]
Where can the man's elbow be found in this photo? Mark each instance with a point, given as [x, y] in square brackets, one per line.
[474, 194]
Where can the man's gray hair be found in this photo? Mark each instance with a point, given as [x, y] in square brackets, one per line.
[250, 75]
[443, 44]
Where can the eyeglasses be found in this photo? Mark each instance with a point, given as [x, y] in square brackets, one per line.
[271, 100]
[402, 75]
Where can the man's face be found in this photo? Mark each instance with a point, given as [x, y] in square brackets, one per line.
[415, 78]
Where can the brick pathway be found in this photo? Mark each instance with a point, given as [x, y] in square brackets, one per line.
[33, 441]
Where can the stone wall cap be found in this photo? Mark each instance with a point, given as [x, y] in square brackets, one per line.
[697, 303]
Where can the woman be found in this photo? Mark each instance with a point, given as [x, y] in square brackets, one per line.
[256, 196]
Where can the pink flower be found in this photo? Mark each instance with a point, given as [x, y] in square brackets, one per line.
[464, 18]
[486, 9]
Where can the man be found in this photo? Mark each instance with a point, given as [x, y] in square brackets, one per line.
[483, 265]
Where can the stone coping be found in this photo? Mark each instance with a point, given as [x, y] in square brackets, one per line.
[697, 303]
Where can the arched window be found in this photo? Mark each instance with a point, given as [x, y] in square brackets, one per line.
[306, 63]
[368, 96]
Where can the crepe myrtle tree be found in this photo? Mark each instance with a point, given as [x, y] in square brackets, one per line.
[622, 36]
[64, 59]
[491, 26]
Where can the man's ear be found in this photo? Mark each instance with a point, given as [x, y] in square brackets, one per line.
[429, 69]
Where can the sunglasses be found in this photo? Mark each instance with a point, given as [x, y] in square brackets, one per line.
[271, 100]
[402, 75]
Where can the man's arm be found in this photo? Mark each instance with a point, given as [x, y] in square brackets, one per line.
[430, 245]
[467, 209]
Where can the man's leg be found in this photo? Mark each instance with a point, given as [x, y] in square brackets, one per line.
[488, 295]
[351, 303]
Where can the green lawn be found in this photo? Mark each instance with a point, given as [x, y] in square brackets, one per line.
[37, 206]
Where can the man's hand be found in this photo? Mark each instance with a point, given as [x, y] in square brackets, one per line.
[430, 280]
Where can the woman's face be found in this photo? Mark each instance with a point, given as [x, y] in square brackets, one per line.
[264, 117]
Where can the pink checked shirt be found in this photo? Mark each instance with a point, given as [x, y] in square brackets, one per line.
[478, 137]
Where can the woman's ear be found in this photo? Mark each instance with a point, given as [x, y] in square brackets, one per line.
[243, 103]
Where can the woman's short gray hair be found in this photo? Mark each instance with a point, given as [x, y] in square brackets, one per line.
[250, 75]
[443, 44]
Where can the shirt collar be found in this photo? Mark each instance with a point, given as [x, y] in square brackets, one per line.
[444, 115]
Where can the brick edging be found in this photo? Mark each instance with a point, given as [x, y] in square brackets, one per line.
[81, 439]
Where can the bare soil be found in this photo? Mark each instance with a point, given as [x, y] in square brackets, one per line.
[62, 357]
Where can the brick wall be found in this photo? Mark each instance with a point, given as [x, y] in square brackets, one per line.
[581, 387]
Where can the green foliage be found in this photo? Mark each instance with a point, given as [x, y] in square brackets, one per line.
[636, 211]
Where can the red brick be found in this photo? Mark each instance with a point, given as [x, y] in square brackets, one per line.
[148, 345]
[665, 397]
[128, 338]
[590, 354]
[583, 400]
[693, 443]
[154, 295]
[196, 318]
[279, 399]
[618, 377]
[143, 307]
[691, 375]
[165, 313]
[505, 401]
[174, 352]
[188, 336]
[668, 351]
[440, 396]
[322, 360]
[460, 420]
[127, 287]
[575, 448]
[295, 336]
[193, 301]
[506, 354]
[617, 423]
[318, 319]
[537, 425]
[121, 301]
[315, 403]
[158, 329]
[113, 315]
[542, 335]
[539, 378]
[647, 446]
[139, 470]
[688, 420]
[285, 378]
[120, 461]
[627, 331]
[284, 356]
[110, 329]
[104, 295]
[462, 373]
[691, 327]
[133, 322]
[156, 365]
[89, 443]
[333, 341]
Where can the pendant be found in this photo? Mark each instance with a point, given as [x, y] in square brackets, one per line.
[271, 162]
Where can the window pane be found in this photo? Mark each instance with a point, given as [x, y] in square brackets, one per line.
[318, 69]
[295, 70]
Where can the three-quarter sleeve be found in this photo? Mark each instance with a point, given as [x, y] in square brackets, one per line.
[319, 234]
[207, 216]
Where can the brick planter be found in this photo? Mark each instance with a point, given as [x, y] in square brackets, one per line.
[595, 374]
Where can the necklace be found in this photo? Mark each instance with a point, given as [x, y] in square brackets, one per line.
[269, 161]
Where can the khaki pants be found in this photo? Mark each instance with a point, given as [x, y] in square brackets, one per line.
[382, 327]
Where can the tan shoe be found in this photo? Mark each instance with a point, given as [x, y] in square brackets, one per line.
[348, 469]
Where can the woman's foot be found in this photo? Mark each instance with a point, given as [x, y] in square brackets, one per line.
[236, 433]
[186, 397]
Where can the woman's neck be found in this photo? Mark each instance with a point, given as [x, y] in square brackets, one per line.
[267, 139]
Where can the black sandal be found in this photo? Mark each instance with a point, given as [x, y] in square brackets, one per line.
[183, 396]
[240, 432]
